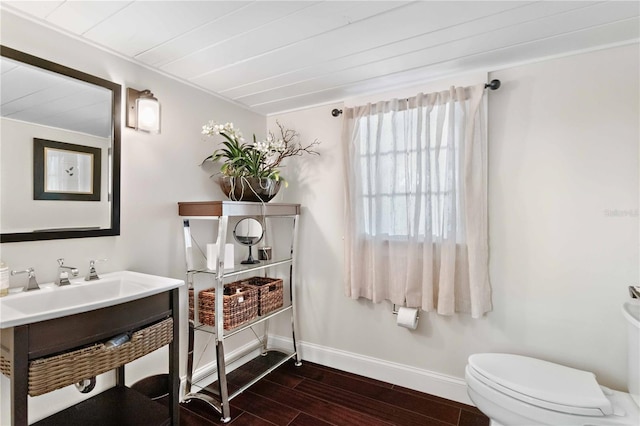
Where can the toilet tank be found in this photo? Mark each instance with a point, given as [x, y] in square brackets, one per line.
[631, 311]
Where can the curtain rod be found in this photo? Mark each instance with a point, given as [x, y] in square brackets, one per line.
[492, 85]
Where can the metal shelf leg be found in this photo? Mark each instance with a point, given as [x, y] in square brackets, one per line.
[222, 382]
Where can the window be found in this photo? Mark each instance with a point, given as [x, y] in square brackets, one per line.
[405, 176]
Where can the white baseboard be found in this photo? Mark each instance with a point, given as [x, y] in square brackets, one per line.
[442, 385]
[426, 381]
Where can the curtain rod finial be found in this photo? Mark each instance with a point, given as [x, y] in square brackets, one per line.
[493, 85]
[336, 112]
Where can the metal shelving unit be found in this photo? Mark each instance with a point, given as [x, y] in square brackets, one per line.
[219, 213]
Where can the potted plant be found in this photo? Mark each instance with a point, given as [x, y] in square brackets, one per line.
[251, 171]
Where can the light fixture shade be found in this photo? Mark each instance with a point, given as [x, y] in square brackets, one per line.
[143, 111]
[148, 114]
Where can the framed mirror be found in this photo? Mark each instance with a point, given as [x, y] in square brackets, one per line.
[59, 151]
[248, 232]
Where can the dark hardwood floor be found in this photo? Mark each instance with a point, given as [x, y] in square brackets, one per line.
[314, 395]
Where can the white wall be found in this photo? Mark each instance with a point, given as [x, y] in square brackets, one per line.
[157, 172]
[563, 141]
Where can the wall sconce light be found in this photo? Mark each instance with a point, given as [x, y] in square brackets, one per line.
[143, 111]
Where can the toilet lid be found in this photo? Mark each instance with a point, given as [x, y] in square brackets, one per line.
[542, 383]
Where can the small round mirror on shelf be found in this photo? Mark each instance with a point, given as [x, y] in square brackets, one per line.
[248, 232]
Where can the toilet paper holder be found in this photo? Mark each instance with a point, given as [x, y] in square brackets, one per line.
[406, 317]
[394, 311]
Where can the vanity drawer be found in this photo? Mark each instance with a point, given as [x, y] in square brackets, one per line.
[70, 332]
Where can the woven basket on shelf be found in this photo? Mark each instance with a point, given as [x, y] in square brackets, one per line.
[270, 293]
[58, 371]
[191, 302]
[238, 308]
[5, 366]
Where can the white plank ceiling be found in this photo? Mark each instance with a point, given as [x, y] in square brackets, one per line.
[273, 56]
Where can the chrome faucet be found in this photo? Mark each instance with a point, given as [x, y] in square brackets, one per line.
[63, 273]
[92, 274]
[32, 284]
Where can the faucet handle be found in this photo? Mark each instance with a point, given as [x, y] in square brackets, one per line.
[60, 261]
[32, 284]
[30, 271]
[92, 274]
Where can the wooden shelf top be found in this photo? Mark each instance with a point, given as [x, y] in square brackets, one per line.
[236, 208]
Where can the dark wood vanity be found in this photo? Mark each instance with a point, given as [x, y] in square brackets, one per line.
[45, 340]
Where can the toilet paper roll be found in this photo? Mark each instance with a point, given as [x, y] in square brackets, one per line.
[407, 318]
[212, 256]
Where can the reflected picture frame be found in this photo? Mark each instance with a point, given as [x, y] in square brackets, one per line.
[65, 171]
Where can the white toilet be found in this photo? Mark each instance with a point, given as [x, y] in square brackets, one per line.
[517, 390]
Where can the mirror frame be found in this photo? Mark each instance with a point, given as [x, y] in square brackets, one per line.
[235, 236]
[116, 91]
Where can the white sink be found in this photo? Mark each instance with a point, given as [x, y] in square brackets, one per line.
[52, 301]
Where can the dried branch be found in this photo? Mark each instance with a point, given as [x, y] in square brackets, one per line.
[292, 145]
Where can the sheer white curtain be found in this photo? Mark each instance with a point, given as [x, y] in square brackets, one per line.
[416, 208]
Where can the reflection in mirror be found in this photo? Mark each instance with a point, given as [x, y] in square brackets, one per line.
[42, 100]
[248, 232]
